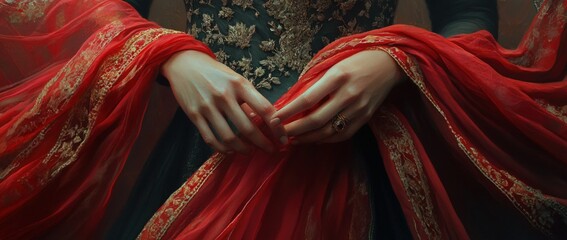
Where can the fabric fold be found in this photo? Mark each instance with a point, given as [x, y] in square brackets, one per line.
[477, 152]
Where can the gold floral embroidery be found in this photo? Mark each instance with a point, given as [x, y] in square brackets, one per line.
[539, 209]
[282, 43]
[240, 35]
[243, 3]
[25, 11]
[80, 120]
[556, 16]
[76, 133]
[558, 111]
[64, 84]
[402, 151]
[160, 222]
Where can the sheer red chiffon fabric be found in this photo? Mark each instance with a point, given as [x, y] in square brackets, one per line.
[474, 146]
[74, 85]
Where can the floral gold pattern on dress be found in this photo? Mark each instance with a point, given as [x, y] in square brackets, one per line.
[158, 225]
[270, 42]
[539, 209]
[403, 152]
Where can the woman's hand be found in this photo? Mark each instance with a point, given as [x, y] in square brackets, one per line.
[210, 93]
[355, 88]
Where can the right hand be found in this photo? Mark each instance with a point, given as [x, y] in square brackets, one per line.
[207, 91]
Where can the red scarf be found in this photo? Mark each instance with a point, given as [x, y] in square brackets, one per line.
[485, 156]
[74, 81]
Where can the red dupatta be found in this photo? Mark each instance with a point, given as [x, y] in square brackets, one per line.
[476, 147]
[74, 81]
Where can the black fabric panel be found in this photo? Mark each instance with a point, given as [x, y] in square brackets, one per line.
[451, 17]
[179, 153]
[142, 6]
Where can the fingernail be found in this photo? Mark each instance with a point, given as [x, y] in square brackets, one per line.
[283, 140]
[275, 122]
[252, 115]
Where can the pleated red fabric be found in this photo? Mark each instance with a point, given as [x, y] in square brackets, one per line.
[474, 146]
[74, 85]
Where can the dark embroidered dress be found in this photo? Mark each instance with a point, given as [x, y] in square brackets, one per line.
[269, 43]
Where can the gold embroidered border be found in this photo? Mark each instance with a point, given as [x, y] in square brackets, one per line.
[81, 119]
[558, 111]
[76, 132]
[538, 208]
[60, 88]
[350, 44]
[25, 11]
[553, 15]
[403, 152]
[160, 222]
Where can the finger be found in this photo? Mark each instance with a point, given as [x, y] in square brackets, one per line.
[327, 132]
[248, 110]
[246, 128]
[207, 134]
[346, 134]
[226, 134]
[318, 135]
[356, 117]
[327, 84]
[266, 110]
[319, 117]
[257, 102]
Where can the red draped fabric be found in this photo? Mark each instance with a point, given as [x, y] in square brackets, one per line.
[74, 81]
[475, 146]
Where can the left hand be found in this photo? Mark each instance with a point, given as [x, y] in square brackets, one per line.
[355, 87]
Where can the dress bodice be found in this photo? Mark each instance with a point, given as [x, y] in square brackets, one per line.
[270, 42]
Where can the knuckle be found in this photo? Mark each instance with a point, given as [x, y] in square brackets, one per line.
[229, 138]
[307, 101]
[219, 96]
[340, 73]
[361, 105]
[316, 121]
[192, 113]
[237, 81]
[209, 141]
[203, 108]
[247, 130]
[352, 93]
[265, 109]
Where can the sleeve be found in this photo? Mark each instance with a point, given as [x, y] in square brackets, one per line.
[451, 17]
[142, 6]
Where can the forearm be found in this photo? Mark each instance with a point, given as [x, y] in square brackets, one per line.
[451, 17]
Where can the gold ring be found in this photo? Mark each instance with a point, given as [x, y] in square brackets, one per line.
[339, 123]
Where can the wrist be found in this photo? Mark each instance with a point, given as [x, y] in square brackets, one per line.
[181, 60]
[394, 72]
